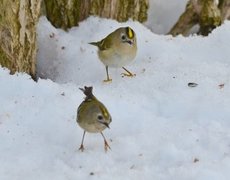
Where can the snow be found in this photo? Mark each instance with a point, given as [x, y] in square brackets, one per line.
[161, 129]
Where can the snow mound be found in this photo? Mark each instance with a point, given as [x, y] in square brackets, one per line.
[162, 128]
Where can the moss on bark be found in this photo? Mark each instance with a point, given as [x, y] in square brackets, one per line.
[206, 13]
[210, 17]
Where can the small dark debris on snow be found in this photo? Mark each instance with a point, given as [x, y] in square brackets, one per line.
[63, 94]
[52, 35]
[221, 86]
[132, 167]
[195, 160]
[91, 173]
[192, 84]
[63, 47]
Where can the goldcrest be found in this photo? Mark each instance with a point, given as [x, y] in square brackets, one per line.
[117, 50]
[92, 116]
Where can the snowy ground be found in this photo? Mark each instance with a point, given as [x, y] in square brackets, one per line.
[162, 129]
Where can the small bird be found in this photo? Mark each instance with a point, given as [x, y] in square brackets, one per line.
[92, 116]
[117, 49]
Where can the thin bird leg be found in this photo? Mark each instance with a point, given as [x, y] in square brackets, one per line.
[127, 73]
[107, 73]
[82, 146]
[106, 144]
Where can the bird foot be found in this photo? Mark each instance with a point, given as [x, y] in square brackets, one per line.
[107, 80]
[107, 146]
[127, 73]
[81, 148]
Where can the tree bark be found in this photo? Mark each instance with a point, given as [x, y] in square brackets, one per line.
[188, 19]
[65, 15]
[206, 13]
[18, 47]
[224, 6]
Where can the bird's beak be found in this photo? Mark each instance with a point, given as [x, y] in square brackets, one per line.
[130, 42]
[106, 124]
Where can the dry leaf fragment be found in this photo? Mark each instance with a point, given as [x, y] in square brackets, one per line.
[221, 86]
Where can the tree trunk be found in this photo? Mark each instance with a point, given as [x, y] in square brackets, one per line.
[188, 19]
[206, 13]
[18, 47]
[224, 6]
[210, 17]
[64, 14]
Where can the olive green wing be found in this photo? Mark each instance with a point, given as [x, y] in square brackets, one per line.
[103, 44]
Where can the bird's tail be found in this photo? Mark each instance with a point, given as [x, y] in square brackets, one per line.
[88, 91]
[95, 43]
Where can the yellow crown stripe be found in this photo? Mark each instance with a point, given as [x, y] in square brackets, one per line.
[130, 32]
[104, 112]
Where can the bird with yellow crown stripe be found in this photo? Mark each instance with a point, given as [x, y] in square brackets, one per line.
[117, 50]
[92, 116]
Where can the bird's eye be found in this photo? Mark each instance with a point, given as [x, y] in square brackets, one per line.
[100, 117]
[123, 37]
